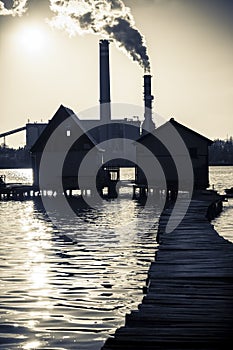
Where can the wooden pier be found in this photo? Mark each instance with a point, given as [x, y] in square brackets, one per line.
[18, 192]
[189, 300]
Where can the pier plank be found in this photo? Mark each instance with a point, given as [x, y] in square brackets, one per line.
[189, 299]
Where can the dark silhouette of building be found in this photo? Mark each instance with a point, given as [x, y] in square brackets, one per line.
[196, 149]
[33, 131]
[116, 154]
[105, 89]
[62, 131]
[148, 124]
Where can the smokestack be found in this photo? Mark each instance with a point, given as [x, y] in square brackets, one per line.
[105, 99]
[148, 124]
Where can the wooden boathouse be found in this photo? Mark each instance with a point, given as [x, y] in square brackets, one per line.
[189, 300]
[64, 129]
[195, 147]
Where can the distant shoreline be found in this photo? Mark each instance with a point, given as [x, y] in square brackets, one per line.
[217, 164]
[14, 167]
[29, 167]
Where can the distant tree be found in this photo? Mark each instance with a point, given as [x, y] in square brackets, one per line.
[10, 157]
[221, 152]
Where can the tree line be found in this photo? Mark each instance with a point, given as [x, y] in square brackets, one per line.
[14, 158]
[221, 152]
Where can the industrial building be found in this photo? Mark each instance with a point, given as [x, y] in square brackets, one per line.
[112, 133]
[116, 140]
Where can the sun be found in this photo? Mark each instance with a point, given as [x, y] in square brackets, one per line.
[32, 38]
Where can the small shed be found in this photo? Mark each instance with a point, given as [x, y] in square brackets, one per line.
[64, 133]
[196, 149]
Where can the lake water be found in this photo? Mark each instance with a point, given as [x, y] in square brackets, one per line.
[71, 288]
[222, 177]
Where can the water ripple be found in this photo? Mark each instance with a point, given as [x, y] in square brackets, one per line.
[70, 288]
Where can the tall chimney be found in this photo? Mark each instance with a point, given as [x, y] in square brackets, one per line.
[105, 99]
[148, 124]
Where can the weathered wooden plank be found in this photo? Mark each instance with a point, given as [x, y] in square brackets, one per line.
[189, 300]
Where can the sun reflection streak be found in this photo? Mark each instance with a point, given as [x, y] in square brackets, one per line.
[38, 276]
[32, 345]
[32, 323]
[38, 245]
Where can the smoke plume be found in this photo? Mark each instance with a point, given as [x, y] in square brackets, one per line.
[18, 8]
[109, 18]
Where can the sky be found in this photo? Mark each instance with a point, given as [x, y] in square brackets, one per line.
[190, 47]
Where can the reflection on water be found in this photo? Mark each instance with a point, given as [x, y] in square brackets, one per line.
[223, 224]
[222, 177]
[70, 288]
[18, 175]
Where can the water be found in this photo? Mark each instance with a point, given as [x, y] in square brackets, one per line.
[222, 177]
[70, 288]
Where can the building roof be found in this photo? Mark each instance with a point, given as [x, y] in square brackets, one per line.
[177, 126]
[59, 117]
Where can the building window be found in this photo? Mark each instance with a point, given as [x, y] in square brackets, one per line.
[193, 152]
[68, 133]
[114, 175]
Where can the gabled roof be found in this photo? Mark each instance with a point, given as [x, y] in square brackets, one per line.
[177, 126]
[59, 117]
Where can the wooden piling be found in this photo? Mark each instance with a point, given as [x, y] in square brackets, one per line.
[16, 192]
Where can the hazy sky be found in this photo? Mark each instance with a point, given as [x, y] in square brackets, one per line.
[190, 45]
